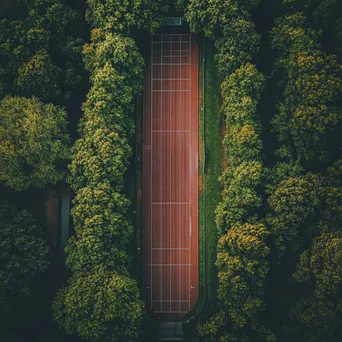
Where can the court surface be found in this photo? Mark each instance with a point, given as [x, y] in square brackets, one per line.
[170, 176]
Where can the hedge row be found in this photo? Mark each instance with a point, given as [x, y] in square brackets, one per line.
[242, 251]
[102, 300]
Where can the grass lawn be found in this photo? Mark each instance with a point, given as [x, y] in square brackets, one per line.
[210, 158]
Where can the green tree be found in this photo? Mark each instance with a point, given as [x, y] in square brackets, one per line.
[241, 91]
[331, 220]
[34, 143]
[242, 264]
[124, 16]
[244, 173]
[102, 306]
[102, 231]
[242, 268]
[294, 212]
[240, 198]
[118, 50]
[23, 254]
[228, 24]
[101, 302]
[310, 115]
[40, 51]
[318, 314]
[39, 76]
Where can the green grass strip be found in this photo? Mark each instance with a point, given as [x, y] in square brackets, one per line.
[210, 152]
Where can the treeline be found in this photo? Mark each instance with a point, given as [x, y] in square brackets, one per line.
[242, 250]
[102, 299]
[304, 190]
[44, 74]
[41, 76]
[279, 228]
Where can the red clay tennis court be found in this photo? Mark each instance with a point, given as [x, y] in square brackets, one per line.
[170, 176]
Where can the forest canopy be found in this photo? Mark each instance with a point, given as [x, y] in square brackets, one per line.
[278, 220]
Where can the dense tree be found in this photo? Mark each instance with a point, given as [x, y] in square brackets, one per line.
[241, 91]
[40, 51]
[304, 213]
[23, 254]
[243, 266]
[310, 113]
[228, 24]
[240, 198]
[34, 143]
[102, 306]
[294, 211]
[101, 301]
[331, 220]
[102, 231]
[243, 175]
[318, 314]
[325, 15]
[126, 16]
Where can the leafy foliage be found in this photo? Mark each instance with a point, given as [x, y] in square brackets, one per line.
[320, 269]
[40, 51]
[311, 111]
[124, 16]
[102, 306]
[242, 264]
[295, 207]
[304, 193]
[34, 144]
[228, 24]
[23, 254]
[241, 91]
[102, 231]
[101, 301]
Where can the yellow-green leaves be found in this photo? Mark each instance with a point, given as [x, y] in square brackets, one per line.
[243, 265]
[100, 306]
[34, 144]
[126, 16]
[309, 113]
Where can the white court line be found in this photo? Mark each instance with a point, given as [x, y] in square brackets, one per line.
[161, 178]
[180, 108]
[169, 56]
[189, 176]
[169, 90]
[170, 177]
[162, 64]
[180, 51]
[171, 131]
[170, 79]
[173, 34]
[166, 300]
[169, 203]
[171, 311]
[170, 249]
[151, 166]
[169, 265]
